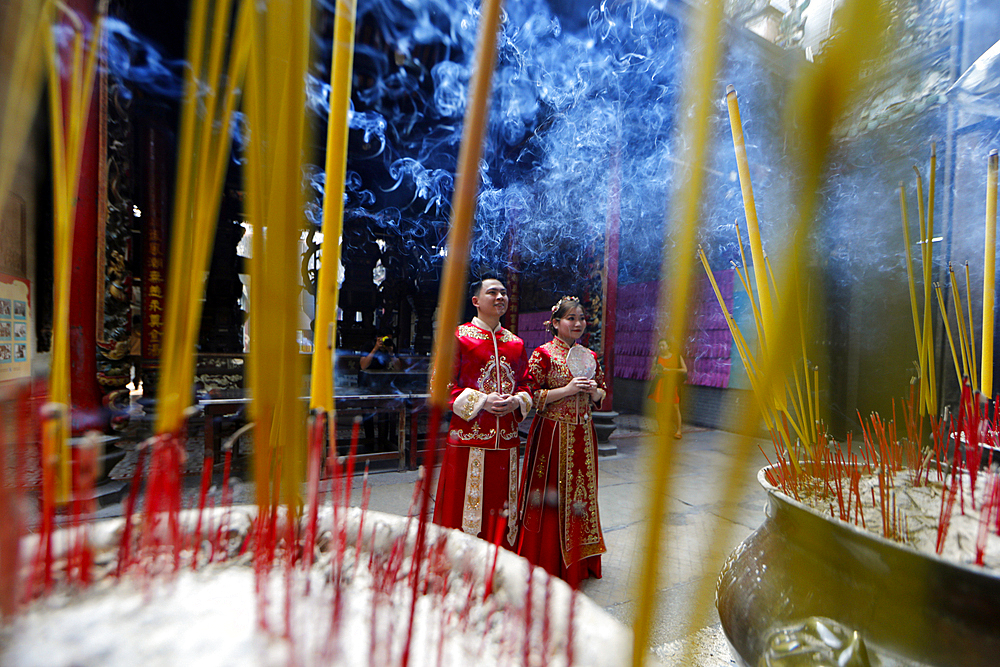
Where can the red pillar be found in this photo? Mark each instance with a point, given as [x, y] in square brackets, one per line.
[611, 236]
[85, 391]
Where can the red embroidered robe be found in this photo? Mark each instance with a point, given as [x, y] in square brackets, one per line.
[560, 522]
[477, 484]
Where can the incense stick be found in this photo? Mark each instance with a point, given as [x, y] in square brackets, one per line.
[947, 329]
[675, 294]
[25, 83]
[972, 328]
[342, 59]
[989, 275]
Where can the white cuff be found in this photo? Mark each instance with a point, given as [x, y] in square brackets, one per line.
[524, 400]
[468, 404]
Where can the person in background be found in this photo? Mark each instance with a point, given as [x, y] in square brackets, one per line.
[477, 484]
[668, 362]
[381, 358]
[560, 522]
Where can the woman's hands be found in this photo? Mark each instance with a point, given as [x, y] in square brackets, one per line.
[576, 386]
[581, 385]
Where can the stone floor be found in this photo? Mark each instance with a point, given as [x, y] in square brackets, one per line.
[699, 531]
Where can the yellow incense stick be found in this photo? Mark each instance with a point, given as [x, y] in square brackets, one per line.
[675, 293]
[321, 396]
[745, 276]
[928, 299]
[989, 275]
[25, 83]
[911, 282]
[972, 328]
[928, 384]
[967, 360]
[750, 210]
[463, 205]
[816, 394]
[947, 330]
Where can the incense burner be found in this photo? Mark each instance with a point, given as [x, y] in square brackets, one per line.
[908, 607]
[472, 600]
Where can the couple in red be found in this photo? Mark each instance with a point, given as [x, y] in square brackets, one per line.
[551, 517]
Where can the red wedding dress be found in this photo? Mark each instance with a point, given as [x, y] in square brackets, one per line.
[560, 522]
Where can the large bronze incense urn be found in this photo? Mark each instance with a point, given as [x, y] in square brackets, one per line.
[873, 601]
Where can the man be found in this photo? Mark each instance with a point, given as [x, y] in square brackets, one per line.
[477, 486]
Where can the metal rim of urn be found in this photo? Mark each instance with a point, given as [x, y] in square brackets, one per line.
[909, 607]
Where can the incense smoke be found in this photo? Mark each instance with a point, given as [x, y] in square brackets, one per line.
[564, 103]
[584, 115]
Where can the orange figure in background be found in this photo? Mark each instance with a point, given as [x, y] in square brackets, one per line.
[668, 362]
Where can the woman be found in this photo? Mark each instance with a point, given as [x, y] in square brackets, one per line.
[561, 527]
[667, 362]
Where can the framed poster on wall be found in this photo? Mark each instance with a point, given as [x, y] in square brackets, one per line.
[15, 323]
[15, 291]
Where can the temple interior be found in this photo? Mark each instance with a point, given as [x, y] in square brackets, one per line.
[588, 161]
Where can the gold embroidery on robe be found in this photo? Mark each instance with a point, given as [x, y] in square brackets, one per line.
[468, 409]
[473, 332]
[512, 498]
[475, 434]
[472, 511]
[569, 409]
[505, 336]
[488, 377]
[579, 521]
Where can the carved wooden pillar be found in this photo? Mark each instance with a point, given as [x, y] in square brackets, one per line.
[113, 276]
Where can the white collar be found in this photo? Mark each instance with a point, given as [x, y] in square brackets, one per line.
[482, 325]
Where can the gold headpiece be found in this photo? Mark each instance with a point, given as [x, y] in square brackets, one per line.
[562, 301]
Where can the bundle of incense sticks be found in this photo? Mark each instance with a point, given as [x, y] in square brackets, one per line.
[275, 100]
[964, 357]
[210, 97]
[922, 326]
[832, 478]
[204, 146]
[69, 110]
[820, 98]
